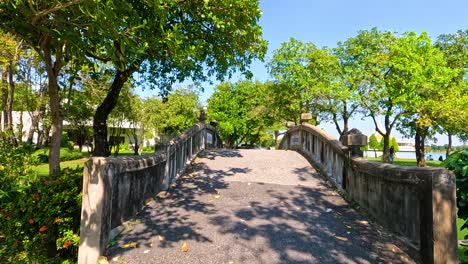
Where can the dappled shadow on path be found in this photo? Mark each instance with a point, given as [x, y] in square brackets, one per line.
[307, 225]
[168, 219]
[255, 222]
[224, 153]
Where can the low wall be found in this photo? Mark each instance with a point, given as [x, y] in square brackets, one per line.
[418, 204]
[115, 189]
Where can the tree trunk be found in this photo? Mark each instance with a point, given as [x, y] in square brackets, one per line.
[56, 128]
[4, 99]
[19, 135]
[101, 144]
[449, 146]
[276, 139]
[345, 125]
[36, 115]
[53, 69]
[386, 149]
[136, 147]
[419, 146]
[9, 105]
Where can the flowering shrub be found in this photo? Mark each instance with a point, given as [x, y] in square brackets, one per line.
[39, 216]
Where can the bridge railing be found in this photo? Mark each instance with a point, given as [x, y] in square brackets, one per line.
[327, 154]
[116, 188]
[418, 204]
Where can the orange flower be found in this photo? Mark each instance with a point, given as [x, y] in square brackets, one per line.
[35, 196]
[57, 220]
[67, 244]
[31, 221]
[43, 229]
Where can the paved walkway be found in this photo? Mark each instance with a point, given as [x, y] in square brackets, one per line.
[253, 206]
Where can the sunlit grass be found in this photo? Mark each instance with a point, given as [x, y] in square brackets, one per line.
[409, 162]
[43, 169]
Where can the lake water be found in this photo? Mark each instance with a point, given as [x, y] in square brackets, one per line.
[407, 154]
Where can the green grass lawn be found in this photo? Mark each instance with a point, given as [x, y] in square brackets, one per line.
[43, 169]
[409, 162]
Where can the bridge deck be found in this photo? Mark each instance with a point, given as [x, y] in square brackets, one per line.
[254, 206]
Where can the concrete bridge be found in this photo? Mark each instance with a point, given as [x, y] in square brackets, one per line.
[308, 203]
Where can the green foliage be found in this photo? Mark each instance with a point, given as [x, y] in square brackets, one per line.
[39, 216]
[374, 142]
[169, 117]
[42, 155]
[394, 144]
[242, 112]
[458, 163]
[304, 77]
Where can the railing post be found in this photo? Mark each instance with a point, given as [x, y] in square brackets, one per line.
[166, 182]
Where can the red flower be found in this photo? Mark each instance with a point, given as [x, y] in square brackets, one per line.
[43, 229]
[31, 221]
[67, 244]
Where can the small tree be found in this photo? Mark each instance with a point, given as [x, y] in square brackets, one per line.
[394, 144]
[374, 144]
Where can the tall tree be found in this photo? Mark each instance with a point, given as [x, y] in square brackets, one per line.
[294, 70]
[53, 29]
[236, 108]
[169, 42]
[455, 49]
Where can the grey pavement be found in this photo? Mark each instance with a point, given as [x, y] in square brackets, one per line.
[253, 206]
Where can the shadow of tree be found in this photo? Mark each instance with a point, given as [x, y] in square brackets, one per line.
[225, 153]
[257, 223]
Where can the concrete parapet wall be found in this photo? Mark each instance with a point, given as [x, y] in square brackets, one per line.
[418, 204]
[115, 189]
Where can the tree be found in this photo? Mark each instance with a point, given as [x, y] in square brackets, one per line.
[454, 47]
[374, 143]
[427, 72]
[303, 75]
[395, 69]
[169, 42]
[394, 144]
[53, 29]
[11, 50]
[344, 98]
[239, 109]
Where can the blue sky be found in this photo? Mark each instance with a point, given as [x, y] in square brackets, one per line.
[326, 22]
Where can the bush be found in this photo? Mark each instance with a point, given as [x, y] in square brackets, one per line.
[42, 155]
[40, 217]
[66, 142]
[458, 163]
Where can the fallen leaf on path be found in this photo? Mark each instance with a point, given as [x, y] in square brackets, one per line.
[363, 222]
[210, 201]
[146, 251]
[102, 260]
[341, 238]
[184, 247]
[161, 238]
[217, 196]
[247, 184]
[231, 262]
[349, 227]
[297, 208]
[129, 245]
